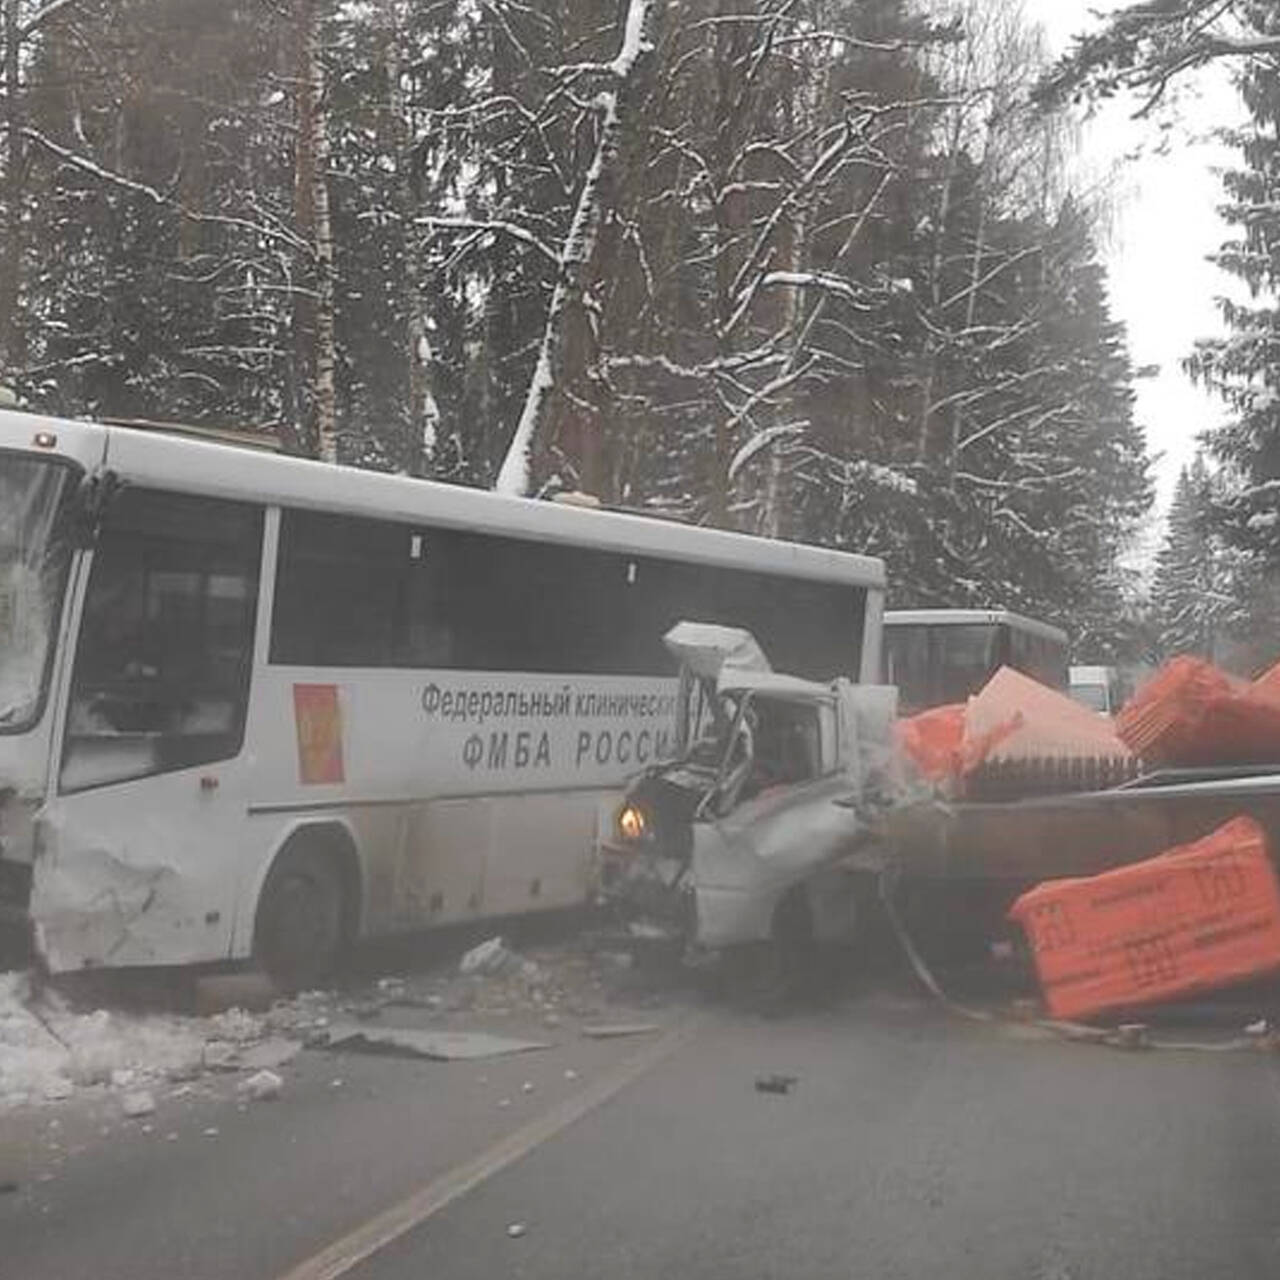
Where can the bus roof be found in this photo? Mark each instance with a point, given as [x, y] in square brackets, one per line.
[220, 470]
[972, 617]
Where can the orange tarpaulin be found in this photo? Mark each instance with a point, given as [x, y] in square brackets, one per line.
[1017, 718]
[933, 740]
[1196, 917]
[1013, 718]
[1190, 713]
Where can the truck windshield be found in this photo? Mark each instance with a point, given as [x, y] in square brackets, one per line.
[34, 550]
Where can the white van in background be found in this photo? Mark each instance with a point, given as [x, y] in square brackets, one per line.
[1095, 687]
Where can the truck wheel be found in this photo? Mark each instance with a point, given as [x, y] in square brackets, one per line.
[298, 931]
[770, 977]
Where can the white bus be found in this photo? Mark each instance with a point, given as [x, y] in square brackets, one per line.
[937, 656]
[252, 705]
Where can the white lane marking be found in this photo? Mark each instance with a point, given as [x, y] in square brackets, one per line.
[339, 1258]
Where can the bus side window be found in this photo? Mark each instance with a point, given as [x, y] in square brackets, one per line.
[1040, 658]
[161, 676]
[360, 593]
[907, 665]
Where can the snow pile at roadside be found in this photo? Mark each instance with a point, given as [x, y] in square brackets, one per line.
[48, 1051]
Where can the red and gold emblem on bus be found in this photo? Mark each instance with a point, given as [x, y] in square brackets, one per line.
[318, 717]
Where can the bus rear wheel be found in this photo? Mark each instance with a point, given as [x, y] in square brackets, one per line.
[299, 921]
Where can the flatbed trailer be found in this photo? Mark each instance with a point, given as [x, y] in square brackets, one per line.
[1021, 842]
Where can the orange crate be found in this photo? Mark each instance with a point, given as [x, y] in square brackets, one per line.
[1196, 917]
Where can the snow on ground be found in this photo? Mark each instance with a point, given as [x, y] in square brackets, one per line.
[51, 1051]
[48, 1051]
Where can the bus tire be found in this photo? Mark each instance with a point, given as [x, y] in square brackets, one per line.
[298, 928]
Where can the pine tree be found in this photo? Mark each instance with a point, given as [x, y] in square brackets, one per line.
[1242, 366]
[1192, 591]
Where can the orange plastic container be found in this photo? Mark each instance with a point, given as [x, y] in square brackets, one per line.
[1196, 917]
[1191, 713]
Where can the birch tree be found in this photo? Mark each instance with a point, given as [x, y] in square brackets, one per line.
[315, 321]
[609, 105]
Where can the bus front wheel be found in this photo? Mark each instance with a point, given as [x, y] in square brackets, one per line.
[299, 921]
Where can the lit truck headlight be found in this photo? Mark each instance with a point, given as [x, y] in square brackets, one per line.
[633, 825]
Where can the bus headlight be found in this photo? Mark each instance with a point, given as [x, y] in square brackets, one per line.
[632, 823]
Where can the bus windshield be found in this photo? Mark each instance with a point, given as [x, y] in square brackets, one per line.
[33, 559]
[936, 664]
[944, 658]
[965, 658]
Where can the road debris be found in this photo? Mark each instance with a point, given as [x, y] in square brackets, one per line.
[616, 1030]
[269, 1054]
[775, 1084]
[219, 993]
[263, 1086]
[439, 1046]
[219, 1055]
[51, 1050]
[140, 1103]
[571, 1074]
[490, 957]
[517, 1229]
[1133, 1035]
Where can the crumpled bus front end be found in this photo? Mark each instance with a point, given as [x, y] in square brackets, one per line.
[19, 801]
[41, 475]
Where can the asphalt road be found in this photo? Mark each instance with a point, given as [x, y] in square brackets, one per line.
[911, 1145]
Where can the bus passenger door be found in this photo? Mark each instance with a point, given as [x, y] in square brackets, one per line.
[138, 857]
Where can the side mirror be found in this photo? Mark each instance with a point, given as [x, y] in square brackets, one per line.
[94, 497]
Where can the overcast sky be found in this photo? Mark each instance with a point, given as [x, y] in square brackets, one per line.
[1167, 221]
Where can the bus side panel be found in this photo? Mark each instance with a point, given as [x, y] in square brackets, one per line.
[439, 874]
[541, 854]
[467, 794]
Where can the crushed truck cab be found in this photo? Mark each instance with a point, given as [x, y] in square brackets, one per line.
[774, 784]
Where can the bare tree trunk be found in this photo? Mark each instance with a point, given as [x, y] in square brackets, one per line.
[311, 213]
[424, 413]
[11, 336]
[935, 287]
[326, 353]
[971, 304]
[723, 53]
[808, 95]
[304, 220]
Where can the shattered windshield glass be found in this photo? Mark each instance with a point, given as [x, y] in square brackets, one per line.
[33, 558]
